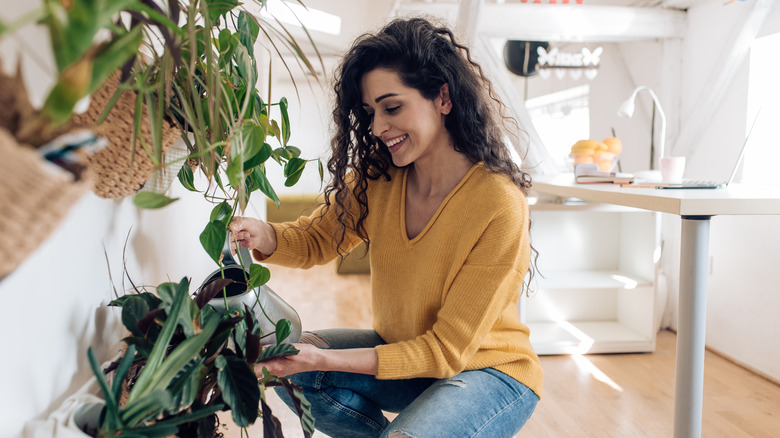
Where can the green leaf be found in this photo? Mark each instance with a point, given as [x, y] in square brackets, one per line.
[239, 389]
[293, 151]
[184, 387]
[121, 371]
[285, 121]
[252, 143]
[301, 405]
[111, 418]
[162, 376]
[168, 427]
[264, 185]
[167, 292]
[221, 212]
[213, 239]
[151, 200]
[72, 84]
[272, 427]
[246, 67]
[187, 178]
[145, 408]
[275, 130]
[252, 341]
[111, 57]
[258, 275]
[283, 329]
[235, 171]
[151, 300]
[134, 309]
[239, 336]
[223, 41]
[278, 350]
[260, 157]
[147, 377]
[293, 171]
[219, 8]
[248, 30]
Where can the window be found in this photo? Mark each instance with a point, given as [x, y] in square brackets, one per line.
[561, 118]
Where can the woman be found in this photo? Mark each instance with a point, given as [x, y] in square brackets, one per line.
[421, 172]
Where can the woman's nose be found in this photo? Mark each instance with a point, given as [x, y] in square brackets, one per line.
[379, 125]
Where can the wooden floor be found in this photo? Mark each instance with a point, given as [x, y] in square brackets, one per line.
[609, 395]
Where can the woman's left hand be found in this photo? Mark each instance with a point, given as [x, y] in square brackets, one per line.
[309, 358]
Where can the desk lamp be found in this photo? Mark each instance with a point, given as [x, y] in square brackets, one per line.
[627, 110]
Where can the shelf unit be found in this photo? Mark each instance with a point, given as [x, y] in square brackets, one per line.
[597, 284]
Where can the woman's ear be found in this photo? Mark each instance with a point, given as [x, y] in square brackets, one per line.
[445, 104]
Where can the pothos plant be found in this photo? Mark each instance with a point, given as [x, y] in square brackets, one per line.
[227, 124]
[197, 361]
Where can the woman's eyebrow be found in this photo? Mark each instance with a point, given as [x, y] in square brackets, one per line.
[384, 96]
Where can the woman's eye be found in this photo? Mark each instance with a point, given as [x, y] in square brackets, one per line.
[393, 109]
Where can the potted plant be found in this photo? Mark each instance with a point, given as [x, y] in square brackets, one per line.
[186, 361]
[226, 126]
[191, 360]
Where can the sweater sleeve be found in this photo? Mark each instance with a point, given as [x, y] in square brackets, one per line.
[308, 241]
[486, 284]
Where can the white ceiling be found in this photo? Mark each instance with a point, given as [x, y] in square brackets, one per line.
[594, 20]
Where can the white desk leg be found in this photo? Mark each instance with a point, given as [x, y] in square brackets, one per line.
[691, 323]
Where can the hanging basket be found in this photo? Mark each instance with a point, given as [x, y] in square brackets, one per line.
[119, 171]
[35, 197]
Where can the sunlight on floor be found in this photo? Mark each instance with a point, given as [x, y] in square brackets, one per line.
[585, 341]
[584, 364]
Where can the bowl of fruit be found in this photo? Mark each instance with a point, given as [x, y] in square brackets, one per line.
[602, 153]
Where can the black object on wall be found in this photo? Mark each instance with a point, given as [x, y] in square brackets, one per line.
[520, 57]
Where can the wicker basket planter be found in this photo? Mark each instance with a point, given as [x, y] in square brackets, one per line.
[34, 199]
[118, 172]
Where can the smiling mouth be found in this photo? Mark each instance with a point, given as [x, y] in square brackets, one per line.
[393, 144]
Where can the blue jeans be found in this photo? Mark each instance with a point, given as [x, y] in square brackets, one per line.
[482, 403]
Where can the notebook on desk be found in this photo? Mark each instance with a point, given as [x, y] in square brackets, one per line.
[714, 184]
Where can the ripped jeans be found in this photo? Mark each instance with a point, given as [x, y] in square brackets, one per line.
[481, 403]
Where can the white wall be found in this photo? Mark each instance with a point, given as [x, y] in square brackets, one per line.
[743, 296]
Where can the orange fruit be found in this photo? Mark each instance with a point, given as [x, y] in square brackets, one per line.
[588, 146]
[613, 145]
[583, 159]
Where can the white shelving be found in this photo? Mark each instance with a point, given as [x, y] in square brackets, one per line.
[596, 288]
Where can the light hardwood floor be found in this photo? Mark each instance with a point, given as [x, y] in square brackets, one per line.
[608, 395]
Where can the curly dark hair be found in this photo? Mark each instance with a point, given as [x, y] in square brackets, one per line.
[425, 57]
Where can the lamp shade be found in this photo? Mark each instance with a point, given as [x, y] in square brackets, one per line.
[627, 108]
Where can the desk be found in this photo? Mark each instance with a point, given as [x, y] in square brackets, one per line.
[696, 207]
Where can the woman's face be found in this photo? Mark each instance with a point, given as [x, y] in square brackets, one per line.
[410, 126]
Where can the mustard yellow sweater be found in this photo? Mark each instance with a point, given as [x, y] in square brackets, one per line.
[444, 301]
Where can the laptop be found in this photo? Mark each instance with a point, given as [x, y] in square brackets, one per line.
[697, 184]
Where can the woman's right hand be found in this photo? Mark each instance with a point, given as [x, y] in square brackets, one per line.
[253, 234]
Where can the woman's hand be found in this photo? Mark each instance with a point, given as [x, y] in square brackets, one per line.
[253, 234]
[311, 358]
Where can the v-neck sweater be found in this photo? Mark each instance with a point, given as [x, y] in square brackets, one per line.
[445, 300]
